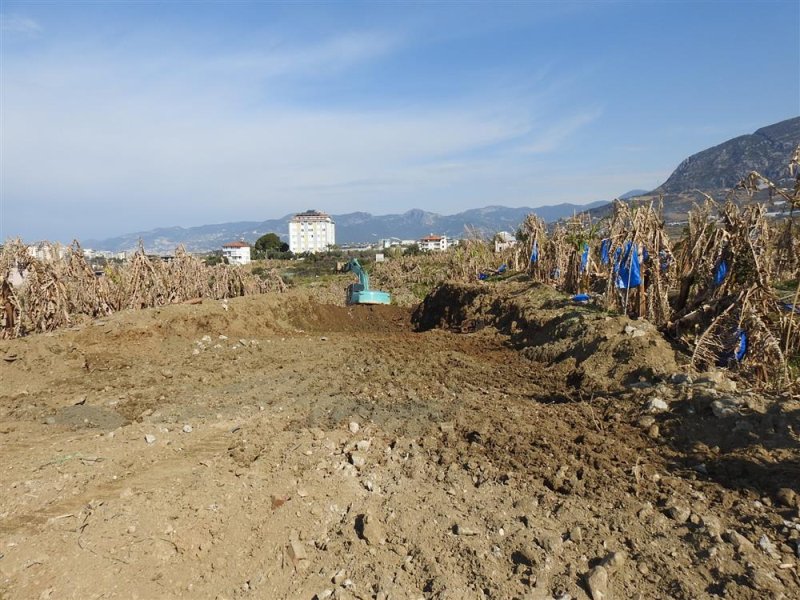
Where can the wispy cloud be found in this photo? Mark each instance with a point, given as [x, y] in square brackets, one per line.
[329, 56]
[164, 137]
[19, 25]
[549, 137]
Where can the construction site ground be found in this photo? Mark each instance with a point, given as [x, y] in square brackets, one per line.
[276, 447]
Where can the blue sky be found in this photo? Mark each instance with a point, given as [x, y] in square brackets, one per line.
[126, 116]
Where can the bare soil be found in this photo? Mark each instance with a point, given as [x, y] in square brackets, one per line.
[506, 447]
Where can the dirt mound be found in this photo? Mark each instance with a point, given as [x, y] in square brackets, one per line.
[282, 449]
[591, 349]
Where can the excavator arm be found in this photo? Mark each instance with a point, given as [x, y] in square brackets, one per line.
[359, 293]
[355, 267]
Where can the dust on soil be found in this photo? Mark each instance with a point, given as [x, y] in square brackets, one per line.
[206, 451]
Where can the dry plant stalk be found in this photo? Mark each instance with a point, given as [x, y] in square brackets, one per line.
[52, 292]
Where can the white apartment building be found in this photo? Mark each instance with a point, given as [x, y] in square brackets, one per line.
[237, 253]
[433, 243]
[311, 231]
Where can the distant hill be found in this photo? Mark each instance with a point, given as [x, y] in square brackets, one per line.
[716, 170]
[351, 228]
[633, 194]
[766, 151]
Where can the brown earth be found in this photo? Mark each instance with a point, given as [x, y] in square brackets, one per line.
[515, 458]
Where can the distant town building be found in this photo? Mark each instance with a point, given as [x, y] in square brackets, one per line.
[47, 251]
[389, 242]
[433, 243]
[311, 231]
[504, 240]
[237, 253]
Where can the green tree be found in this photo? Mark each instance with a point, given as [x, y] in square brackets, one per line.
[268, 246]
[413, 250]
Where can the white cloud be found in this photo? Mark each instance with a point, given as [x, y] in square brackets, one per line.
[19, 25]
[162, 139]
[328, 57]
[552, 135]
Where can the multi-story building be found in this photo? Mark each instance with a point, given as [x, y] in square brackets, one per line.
[433, 243]
[237, 253]
[311, 231]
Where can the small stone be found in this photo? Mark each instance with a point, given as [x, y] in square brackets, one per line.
[725, 407]
[717, 380]
[150, 438]
[297, 553]
[461, 530]
[187, 429]
[195, 352]
[363, 445]
[357, 459]
[132, 529]
[615, 560]
[324, 595]
[653, 432]
[576, 534]
[353, 427]
[656, 405]
[787, 497]
[597, 582]
[633, 331]
[767, 546]
[737, 540]
[680, 514]
[551, 542]
[646, 421]
[372, 530]
[339, 577]
[167, 374]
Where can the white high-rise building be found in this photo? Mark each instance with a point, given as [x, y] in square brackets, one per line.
[311, 231]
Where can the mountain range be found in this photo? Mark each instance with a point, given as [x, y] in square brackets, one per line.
[713, 171]
[716, 170]
[351, 228]
[767, 151]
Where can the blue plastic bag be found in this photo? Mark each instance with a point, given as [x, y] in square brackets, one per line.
[605, 248]
[741, 346]
[720, 272]
[585, 258]
[628, 270]
[535, 252]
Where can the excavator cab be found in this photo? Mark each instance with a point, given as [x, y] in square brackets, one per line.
[359, 293]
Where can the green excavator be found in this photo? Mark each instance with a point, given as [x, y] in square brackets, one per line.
[359, 293]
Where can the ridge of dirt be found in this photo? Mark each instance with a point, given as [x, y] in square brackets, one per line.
[594, 351]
